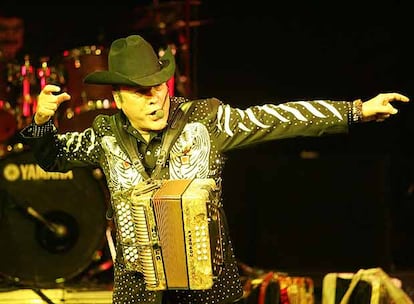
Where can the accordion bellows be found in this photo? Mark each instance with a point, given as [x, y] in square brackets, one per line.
[164, 231]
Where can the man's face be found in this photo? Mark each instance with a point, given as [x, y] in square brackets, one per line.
[141, 104]
[11, 36]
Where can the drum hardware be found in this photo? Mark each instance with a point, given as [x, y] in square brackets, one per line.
[56, 231]
[12, 148]
[29, 102]
[5, 150]
[20, 83]
[13, 282]
[91, 105]
[44, 72]
[59, 232]
[111, 242]
[171, 23]
[49, 74]
[12, 73]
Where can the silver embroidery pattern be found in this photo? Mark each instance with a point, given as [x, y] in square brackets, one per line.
[122, 174]
[75, 139]
[189, 157]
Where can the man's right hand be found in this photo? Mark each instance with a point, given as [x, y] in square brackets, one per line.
[48, 103]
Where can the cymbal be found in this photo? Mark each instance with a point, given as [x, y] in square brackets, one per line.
[168, 5]
[191, 23]
[169, 27]
[164, 16]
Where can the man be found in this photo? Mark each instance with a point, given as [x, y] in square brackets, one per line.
[147, 115]
[11, 35]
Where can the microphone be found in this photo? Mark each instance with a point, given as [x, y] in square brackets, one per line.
[159, 113]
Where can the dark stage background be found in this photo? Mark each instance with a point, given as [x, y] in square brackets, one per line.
[331, 204]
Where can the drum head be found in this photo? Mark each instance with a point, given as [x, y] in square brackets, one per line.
[78, 63]
[87, 100]
[51, 224]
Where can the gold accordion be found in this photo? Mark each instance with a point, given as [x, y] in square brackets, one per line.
[169, 231]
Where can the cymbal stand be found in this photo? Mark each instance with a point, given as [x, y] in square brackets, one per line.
[185, 39]
[15, 282]
[183, 28]
[28, 77]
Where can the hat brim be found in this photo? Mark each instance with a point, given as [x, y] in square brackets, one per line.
[114, 78]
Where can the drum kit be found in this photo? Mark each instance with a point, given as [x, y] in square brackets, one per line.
[47, 233]
[20, 85]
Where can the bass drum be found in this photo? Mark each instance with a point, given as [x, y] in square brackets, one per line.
[51, 224]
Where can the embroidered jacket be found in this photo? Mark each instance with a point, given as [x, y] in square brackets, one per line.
[212, 129]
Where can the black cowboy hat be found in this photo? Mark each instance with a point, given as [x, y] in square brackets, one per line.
[133, 62]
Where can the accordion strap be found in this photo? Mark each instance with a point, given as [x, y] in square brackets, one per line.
[178, 121]
[129, 145]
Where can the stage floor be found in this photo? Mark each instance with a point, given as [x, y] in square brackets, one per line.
[100, 292]
[56, 296]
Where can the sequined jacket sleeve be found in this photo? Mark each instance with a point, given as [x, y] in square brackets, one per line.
[235, 128]
[62, 152]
